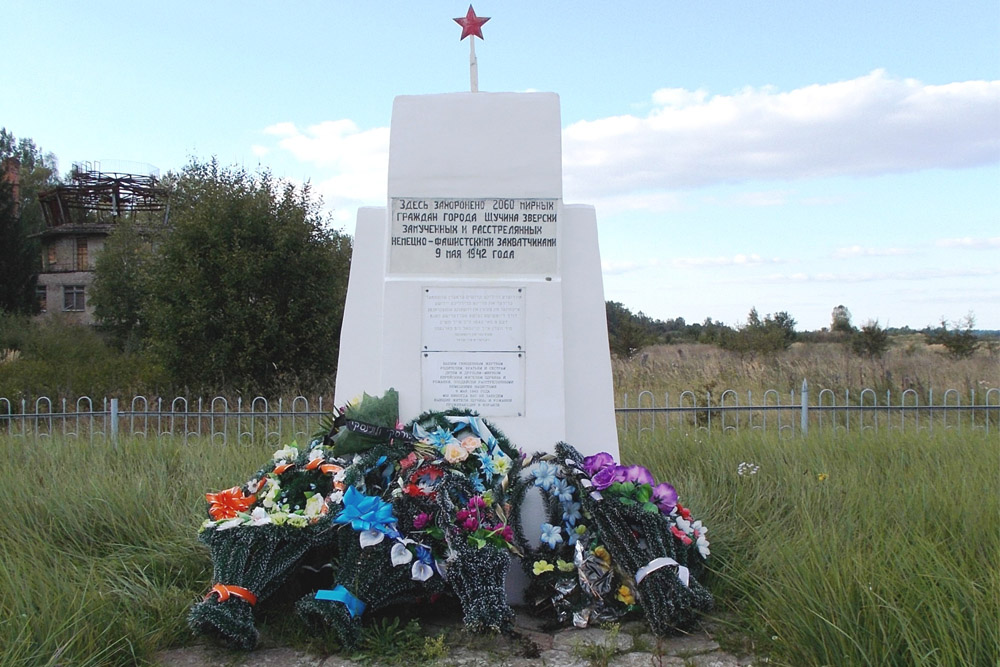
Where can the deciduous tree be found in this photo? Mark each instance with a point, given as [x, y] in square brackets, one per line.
[247, 289]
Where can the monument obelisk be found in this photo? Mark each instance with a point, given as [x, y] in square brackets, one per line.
[476, 286]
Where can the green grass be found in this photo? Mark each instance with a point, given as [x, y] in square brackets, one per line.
[893, 558]
[99, 560]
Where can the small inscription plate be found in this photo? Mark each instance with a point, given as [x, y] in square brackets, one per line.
[491, 383]
[429, 235]
[483, 319]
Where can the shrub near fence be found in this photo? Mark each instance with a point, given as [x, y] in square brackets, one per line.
[224, 421]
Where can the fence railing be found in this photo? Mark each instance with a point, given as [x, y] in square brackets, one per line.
[219, 419]
[222, 421]
[798, 411]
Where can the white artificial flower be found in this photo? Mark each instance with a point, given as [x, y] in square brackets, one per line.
[315, 454]
[703, 546]
[335, 496]
[400, 554]
[370, 538]
[421, 571]
[260, 517]
[231, 523]
[314, 505]
[683, 524]
[286, 453]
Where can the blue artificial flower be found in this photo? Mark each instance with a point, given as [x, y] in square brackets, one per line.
[551, 535]
[366, 512]
[544, 474]
[563, 491]
[573, 536]
[424, 554]
[571, 513]
[440, 438]
[477, 482]
[486, 461]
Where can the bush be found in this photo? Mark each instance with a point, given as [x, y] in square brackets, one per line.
[870, 340]
[961, 342]
[59, 358]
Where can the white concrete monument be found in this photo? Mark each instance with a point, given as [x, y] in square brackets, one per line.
[476, 287]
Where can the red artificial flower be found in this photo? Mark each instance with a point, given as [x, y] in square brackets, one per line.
[679, 534]
[684, 512]
[226, 504]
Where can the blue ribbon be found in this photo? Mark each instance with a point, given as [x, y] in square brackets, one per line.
[340, 594]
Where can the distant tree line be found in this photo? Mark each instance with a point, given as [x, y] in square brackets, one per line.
[629, 333]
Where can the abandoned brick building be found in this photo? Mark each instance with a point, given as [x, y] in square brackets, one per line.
[79, 216]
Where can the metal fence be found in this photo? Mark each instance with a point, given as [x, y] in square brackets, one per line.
[799, 411]
[219, 420]
[222, 421]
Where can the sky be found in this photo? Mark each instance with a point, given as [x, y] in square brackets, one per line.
[784, 155]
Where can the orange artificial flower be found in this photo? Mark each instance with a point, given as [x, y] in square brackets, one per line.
[226, 504]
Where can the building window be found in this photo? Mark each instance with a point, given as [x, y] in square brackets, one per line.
[73, 298]
[42, 298]
[52, 255]
[81, 255]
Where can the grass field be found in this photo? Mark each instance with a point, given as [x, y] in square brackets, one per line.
[860, 549]
[868, 549]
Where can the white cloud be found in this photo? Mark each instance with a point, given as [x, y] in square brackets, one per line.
[357, 159]
[734, 260]
[970, 243]
[859, 277]
[610, 268]
[871, 125]
[863, 251]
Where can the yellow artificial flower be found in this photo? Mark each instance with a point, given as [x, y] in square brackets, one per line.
[541, 566]
[625, 595]
[822, 476]
[603, 554]
[564, 566]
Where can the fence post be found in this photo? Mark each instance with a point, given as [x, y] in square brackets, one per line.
[113, 426]
[804, 424]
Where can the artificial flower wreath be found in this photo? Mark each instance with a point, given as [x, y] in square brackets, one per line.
[433, 507]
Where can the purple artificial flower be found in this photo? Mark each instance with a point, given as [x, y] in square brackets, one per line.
[421, 521]
[637, 474]
[665, 497]
[594, 464]
[604, 478]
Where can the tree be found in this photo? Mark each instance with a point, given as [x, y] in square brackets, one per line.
[246, 290]
[841, 320]
[773, 334]
[18, 258]
[38, 171]
[960, 342]
[122, 285]
[871, 340]
[627, 333]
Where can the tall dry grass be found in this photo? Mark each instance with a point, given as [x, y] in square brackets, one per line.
[908, 365]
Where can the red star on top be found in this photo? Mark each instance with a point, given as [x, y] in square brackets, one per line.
[471, 24]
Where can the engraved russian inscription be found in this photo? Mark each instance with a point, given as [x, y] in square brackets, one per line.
[488, 236]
